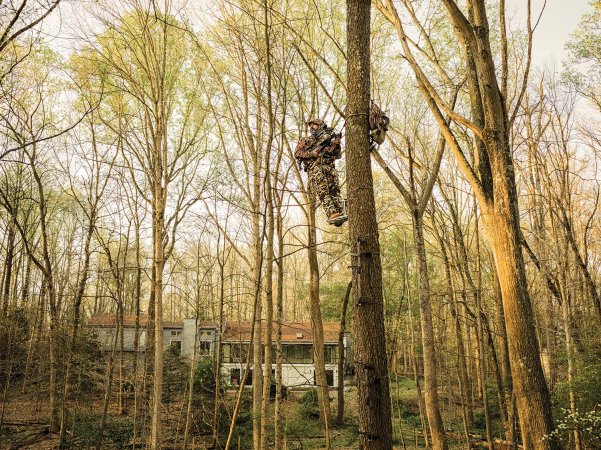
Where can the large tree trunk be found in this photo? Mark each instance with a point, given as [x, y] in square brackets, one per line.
[532, 395]
[501, 218]
[494, 185]
[375, 425]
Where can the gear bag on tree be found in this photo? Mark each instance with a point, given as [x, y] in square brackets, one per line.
[378, 124]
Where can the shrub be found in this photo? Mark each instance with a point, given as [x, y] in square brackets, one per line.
[588, 423]
[308, 405]
[204, 377]
[409, 415]
[118, 431]
[587, 415]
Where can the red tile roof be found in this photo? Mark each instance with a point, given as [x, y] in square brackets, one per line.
[301, 332]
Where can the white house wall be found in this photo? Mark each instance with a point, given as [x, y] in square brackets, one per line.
[105, 337]
[293, 375]
[204, 334]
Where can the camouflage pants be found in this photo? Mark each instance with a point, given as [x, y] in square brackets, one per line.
[323, 181]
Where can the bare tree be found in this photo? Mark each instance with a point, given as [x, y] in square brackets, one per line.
[493, 182]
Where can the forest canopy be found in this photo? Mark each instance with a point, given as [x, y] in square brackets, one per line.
[172, 272]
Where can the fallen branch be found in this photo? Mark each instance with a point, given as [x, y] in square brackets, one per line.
[31, 438]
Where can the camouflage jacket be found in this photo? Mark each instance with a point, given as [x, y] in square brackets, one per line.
[327, 154]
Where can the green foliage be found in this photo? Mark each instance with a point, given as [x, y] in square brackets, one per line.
[587, 423]
[243, 427]
[587, 398]
[584, 46]
[585, 42]
[308, 405]
[204, 377]
[84, 372]
[273, 390]
[85, 426]
[587, 389]
[409, 415]
[479, 420]
[331, 296]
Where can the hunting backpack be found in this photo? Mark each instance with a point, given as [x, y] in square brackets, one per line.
[378, 124]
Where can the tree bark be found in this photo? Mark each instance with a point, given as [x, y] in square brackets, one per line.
[278, 435]
[316, 322]
[8, 268]
[494, 187]
[270, 224]
[340, 410]
[503, 231]
[375, 424]
[158, 264]
[427, 327]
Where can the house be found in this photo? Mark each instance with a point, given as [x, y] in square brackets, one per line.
[103, 326]
[182, 337]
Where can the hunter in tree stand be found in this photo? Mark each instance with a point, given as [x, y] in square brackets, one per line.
[317, 154]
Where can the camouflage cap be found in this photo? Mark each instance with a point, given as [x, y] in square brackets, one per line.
[316, 121]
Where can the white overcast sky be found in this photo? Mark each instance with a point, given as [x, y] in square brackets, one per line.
[559, 19]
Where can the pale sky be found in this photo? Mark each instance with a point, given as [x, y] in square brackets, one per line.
[559, 19]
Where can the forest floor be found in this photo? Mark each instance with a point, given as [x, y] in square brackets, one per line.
[26, 417]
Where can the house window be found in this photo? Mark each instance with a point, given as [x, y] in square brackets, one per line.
[234, 352]
[204, 348]
[330, 378]
[297, 353]
[236, 376]
[331, 354]
[176, 346]
[173, 333]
